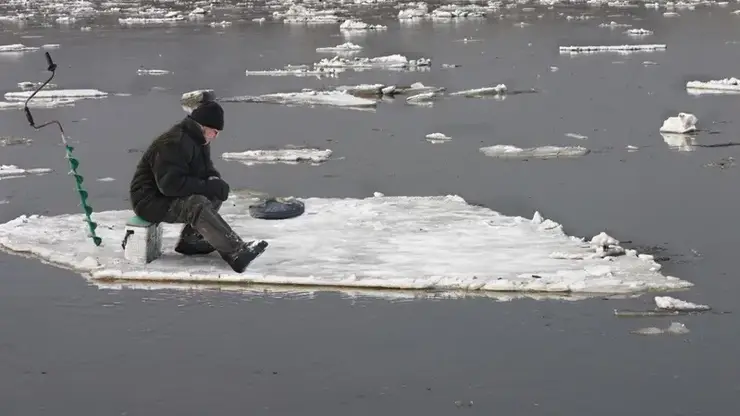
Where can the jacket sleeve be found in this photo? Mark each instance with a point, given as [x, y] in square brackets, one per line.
[210, 169]
[172, 174]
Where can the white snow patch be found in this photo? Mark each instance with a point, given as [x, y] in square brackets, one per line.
[612, 48]
[542, 152]
[669, 303]
[291, 155]
[683, 123]
[376, 242]
[13, 171]
[55, 94]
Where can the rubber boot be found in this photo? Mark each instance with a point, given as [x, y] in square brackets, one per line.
[230, 246]
[192, 243]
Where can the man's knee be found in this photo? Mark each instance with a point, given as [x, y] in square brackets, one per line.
[195, 203]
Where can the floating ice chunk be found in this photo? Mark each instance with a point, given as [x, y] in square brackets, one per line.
[424, 98]
[151, 20]
[639, 32]
[543, 152]
[480, 92]
[309, 97]
[298, 71]
[106, 179]
[420, 11]
[351, 24]
[614, 24]
[389, 61]
[290, 155]
[366, 90]
[612, 48]
[675, 328]
[13, 105]
[680, 142]
[576, 136]
[13, 171]
[301, 14]
[192, 99]
[667, 302]
[437, 138]
[143, 71]
[451, 11]
[50, 46]
[17, 47]
[32, 85]
[683, 123]
[671, 14]
[723, 85]
[375, 242]
[55, 94]
[12, 141]
[344, 47]
[223, 23]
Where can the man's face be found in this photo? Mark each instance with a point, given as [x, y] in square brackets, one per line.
[210, 134]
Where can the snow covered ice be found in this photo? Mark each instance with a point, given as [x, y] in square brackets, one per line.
[295, 155]
[683, 123]
[13, 171]
[417, 243]
[308, 97]
[45, 94]
[542, 152]
[726, 85]
[613, 48]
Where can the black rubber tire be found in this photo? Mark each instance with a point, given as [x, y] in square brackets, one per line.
[277, 209]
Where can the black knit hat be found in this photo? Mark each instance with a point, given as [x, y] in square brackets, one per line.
[209, 114]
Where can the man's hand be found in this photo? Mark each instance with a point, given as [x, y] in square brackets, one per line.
[218, 188]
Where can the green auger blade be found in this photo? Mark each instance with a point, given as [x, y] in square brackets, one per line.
[74, 163]
[87, 208]
[78, 178]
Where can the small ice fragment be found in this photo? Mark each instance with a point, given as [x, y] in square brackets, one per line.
[683, 123]
[667, 302]
[437, 138]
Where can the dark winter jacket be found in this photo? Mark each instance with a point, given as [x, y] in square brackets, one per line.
[176, 164]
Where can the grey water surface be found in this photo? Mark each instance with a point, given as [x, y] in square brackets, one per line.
[68, 347]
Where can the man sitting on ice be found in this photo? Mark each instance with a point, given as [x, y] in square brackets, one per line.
[175, 182]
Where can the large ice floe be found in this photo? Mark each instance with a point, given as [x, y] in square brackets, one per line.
[344, 48]
[612, 48]
[719, 86]
[418, 243]
[290, 155]
[543, 152]
[310, 98]
[45, 94]
[395, 61]
[13, 171]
